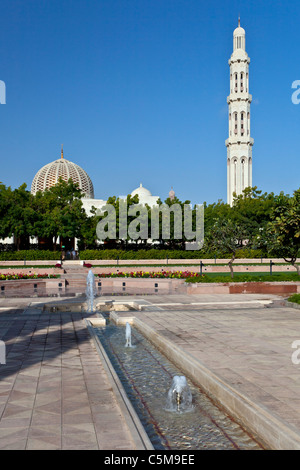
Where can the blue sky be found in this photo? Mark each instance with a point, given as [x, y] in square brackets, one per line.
[136, 91]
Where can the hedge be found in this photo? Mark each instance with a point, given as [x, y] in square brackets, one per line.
[29, 255]
[161, 254]
[113, 254]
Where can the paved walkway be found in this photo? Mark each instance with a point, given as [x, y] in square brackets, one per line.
[247, 345]
[55, 394]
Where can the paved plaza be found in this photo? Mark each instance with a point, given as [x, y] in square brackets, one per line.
[55, 392]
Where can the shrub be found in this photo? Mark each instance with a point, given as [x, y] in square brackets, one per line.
[152, 253]
[114, 254]
[29, 255]
[294, 298]
[249, 253]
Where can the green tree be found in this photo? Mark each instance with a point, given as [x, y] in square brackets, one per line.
[17, 214]
[226, 237]
[115, 221]
[215, 211]
[5, 205]
[59, 211]
[252, 210]
[88, 235]
[169, 217]
[283, 233]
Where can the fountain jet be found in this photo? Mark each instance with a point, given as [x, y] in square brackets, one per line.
[128, 335]
[90, 290]
[179, 396]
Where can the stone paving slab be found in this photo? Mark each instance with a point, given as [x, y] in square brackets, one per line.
[249, 349]
[54, 392]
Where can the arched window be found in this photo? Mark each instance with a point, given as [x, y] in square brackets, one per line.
[242, 123]
[235, 123]
[235, 175]
[242, 82]
[235, 82]
[243, 173]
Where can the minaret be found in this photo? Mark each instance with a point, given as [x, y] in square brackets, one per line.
[172, 194]
[239, 144]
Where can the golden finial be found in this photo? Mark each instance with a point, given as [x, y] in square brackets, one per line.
[239, 21]
[62, 151]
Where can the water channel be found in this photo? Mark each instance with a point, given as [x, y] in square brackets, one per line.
[147, 376]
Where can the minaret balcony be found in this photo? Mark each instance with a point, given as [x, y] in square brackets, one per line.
[244, 96]
[240, 57]
[237, 140]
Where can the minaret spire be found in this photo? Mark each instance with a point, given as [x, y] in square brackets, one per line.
[62, 151]
[239, 144]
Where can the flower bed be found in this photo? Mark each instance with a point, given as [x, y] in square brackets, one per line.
[154, 275]
[12, 276]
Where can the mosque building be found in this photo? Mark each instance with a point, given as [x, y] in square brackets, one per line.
[239, 143]
[50, 174]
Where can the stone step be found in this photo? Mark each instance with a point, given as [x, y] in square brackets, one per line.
[72, 262]
[73, 276]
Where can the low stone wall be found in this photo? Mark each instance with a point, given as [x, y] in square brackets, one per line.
[140, 286]
[156, 269]
[45, 287]
[31, 287]
[173, 286]
[276, 288]
[168, 262]
[140, 262]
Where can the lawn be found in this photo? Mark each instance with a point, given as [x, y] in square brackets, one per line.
[247, 277]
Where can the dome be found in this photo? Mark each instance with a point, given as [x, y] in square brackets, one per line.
[141, 191]
[239, 31]
[49, 175]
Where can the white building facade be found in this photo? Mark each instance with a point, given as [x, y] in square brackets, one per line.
[239, 144]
